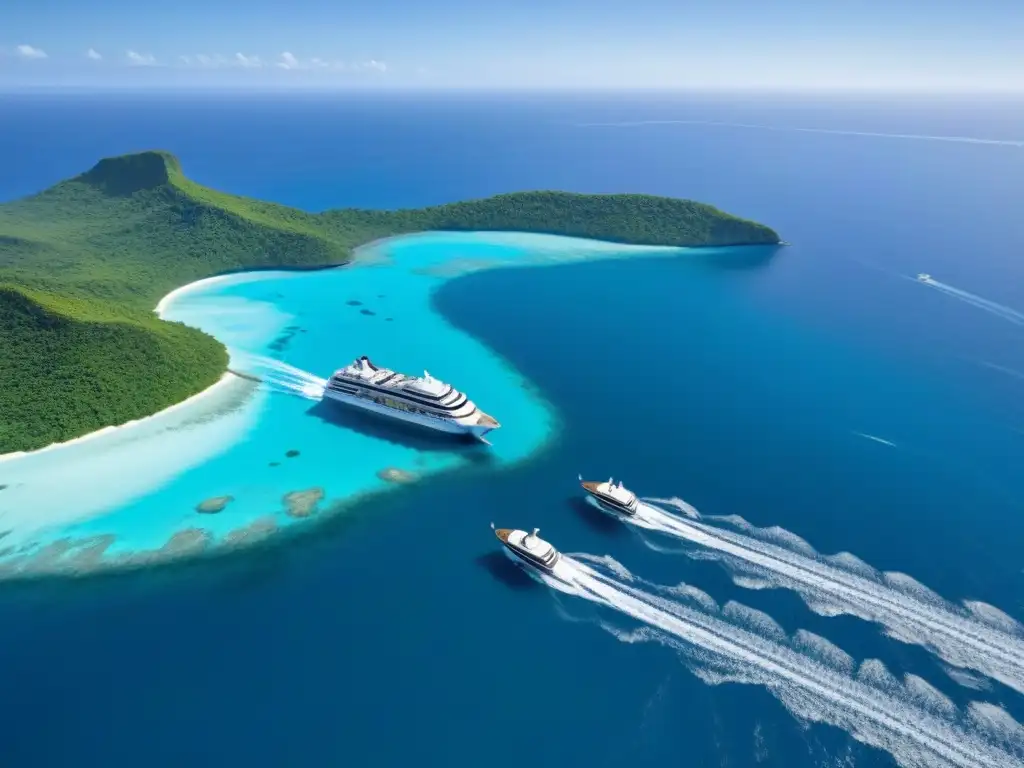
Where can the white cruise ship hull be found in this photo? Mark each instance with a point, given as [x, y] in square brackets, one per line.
[464, 426]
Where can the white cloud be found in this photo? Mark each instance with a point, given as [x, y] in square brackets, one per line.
[289, 61]
[28, 52]
[220, 61]
[93, 54]
[140, 59]
[248, 62]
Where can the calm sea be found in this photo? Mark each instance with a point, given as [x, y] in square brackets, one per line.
[825, 392]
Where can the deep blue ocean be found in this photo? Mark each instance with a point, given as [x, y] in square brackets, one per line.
[824, 391]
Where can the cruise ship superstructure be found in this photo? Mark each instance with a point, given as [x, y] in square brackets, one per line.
[420, 400]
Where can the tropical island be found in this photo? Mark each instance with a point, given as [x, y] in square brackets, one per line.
[83, 263]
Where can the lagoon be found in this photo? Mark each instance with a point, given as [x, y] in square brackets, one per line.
[259, 452]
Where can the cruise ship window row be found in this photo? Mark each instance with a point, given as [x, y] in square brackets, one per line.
[404, 406]
[460, 400]
[400, 405]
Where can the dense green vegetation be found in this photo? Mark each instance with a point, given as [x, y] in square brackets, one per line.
[83, 263]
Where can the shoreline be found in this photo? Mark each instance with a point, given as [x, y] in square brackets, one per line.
[159, 311]
[657, 246]
[161, 308]
[210, 390]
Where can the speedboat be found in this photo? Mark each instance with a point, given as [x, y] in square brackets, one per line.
[529, 547]
[616, 498]
[924, 277]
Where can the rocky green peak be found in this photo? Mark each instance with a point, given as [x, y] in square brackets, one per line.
[128, 174]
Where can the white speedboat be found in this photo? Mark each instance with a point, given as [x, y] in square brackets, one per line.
[924, 277]
[529, 547]
[616, 498]
[420, 400]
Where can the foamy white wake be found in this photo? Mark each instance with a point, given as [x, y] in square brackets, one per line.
[280, 376]
[795, 129]
[999, 310]
[977, 636]
[815, 680]
[876, 439]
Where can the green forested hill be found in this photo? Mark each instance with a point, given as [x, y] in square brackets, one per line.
[83, 263]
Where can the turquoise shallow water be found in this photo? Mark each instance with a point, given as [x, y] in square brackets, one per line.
[273, 451]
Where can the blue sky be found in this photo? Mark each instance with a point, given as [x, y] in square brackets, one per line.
[783, 44]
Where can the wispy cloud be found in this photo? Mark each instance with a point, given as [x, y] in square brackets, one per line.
[248, 62]
[289, 61]
[285, 61]
[136, 59]
[220, 61]
[93, 54]
[29, 52]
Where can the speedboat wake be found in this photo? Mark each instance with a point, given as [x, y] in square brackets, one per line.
[992, 307]
[976, 636]
[814, 679]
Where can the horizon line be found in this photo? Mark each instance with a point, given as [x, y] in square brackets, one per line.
[270, 88]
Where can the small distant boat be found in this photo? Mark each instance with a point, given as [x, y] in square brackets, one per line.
[529, 548]
[924, 277]
[616, 498]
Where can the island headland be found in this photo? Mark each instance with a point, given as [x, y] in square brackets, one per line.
[83, 263]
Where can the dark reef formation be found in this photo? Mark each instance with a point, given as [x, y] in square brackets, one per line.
[256, 531]
[303, 503]
[214, 504]
[395, 475]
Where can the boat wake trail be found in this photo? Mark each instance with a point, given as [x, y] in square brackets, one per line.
[814, 679]
[992, 307]
[798, 129]
[876, 439]
[975, 636]
[279, 376]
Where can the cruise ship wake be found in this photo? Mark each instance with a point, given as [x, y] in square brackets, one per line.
[992, 307]
[278, 376]
[814, 679]
[976, 636]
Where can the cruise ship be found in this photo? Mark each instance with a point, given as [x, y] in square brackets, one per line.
[616, 498]
[420, 400]
[529, 548]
